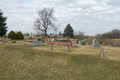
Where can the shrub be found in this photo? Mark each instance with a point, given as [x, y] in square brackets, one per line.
[20, 35]
[11, 35]
[13, 41]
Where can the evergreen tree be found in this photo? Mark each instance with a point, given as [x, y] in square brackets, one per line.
[20, 35]
[68, 31]
[3, 28]
[12, 35]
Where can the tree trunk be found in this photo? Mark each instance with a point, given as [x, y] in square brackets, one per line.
[45, 32]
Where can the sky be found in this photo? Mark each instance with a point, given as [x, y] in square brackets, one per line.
[88, 16]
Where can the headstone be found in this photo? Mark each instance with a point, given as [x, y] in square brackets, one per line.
[9, 42]
[74, 43]
[3, 38]
[95, 43]
[80, 42]
[102, 52]
[38, 43]
[19, 42]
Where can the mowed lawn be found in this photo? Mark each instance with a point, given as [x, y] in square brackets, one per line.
[19, 62]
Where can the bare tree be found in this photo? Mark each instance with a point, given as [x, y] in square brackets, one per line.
[81, 35]
[45, 21]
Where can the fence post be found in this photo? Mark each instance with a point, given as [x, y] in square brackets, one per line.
[102, 52]
[51, 46]
[67, 48]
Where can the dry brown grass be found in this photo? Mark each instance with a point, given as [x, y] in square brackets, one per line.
[19, 62]
[111, 53]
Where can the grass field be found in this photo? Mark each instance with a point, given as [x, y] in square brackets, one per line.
[19, 62]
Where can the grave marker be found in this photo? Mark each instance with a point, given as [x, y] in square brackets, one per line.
[38, 43]
[102, 52]
[80, 42]
[74, 43]
[95, 43]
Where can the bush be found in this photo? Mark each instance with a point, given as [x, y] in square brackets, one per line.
[11, 35]
[20, 35]
[13, 41]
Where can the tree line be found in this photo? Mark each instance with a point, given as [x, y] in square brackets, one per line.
[115, 33]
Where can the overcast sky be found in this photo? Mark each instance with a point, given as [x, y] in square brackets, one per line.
[89, 16]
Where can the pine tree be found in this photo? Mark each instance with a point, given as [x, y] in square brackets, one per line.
[68, 31]
[3, 28]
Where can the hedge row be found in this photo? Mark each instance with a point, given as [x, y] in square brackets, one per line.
[13, 35]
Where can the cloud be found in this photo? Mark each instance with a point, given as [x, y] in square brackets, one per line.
[113, 2]
[89, 16]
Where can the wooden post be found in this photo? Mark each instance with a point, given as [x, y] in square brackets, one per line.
[51, 46]
[67, 48]
[102, 52]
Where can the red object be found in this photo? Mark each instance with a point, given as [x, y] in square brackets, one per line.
[60, 43]
[105, 43]
[53, 37]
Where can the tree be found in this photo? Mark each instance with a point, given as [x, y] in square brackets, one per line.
[59, 33]
[68, 31]
[81, 35]
[45, 21]
[12, 35]
[115, 33]
[3, 28]
[20, 35]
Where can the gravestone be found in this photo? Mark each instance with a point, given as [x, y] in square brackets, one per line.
[3, 38]
[74, 42]
[80, 42]
[19, 42]
[95, 43]
[38, 43]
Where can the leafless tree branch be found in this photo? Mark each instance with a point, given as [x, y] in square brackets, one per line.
[46, 20]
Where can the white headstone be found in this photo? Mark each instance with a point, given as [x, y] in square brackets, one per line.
[96, 43]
